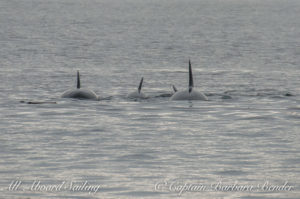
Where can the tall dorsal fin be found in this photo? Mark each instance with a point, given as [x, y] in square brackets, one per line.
[141, 84]
[191, 82]
[78, 80]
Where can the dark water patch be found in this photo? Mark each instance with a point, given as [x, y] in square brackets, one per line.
[38, 102]
[98, 130]
[288, 94]
[138, 99]
[163, 95]
[226, 97]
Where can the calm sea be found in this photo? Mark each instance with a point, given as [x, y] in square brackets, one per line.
[243, 143]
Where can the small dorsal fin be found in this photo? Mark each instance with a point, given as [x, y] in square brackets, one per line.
[174, 88]
[78, 80]
[141, 84]
[191, 82]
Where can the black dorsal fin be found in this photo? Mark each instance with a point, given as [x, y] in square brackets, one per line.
[174, 88]
[78, 80]
[141, 84]
[191, 82]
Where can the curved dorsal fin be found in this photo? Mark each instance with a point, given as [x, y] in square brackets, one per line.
[141, 84]
[191, 82]
[78, 80]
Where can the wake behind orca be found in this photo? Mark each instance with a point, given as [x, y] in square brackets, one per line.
[80, 93]
[190, 93]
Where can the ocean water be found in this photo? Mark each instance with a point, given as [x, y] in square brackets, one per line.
[245, 56]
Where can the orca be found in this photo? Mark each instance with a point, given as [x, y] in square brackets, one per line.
[138, 94]
[80, 93]
[168, 94]
[190, 93]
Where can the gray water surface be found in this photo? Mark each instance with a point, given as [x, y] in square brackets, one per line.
[245, 56]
